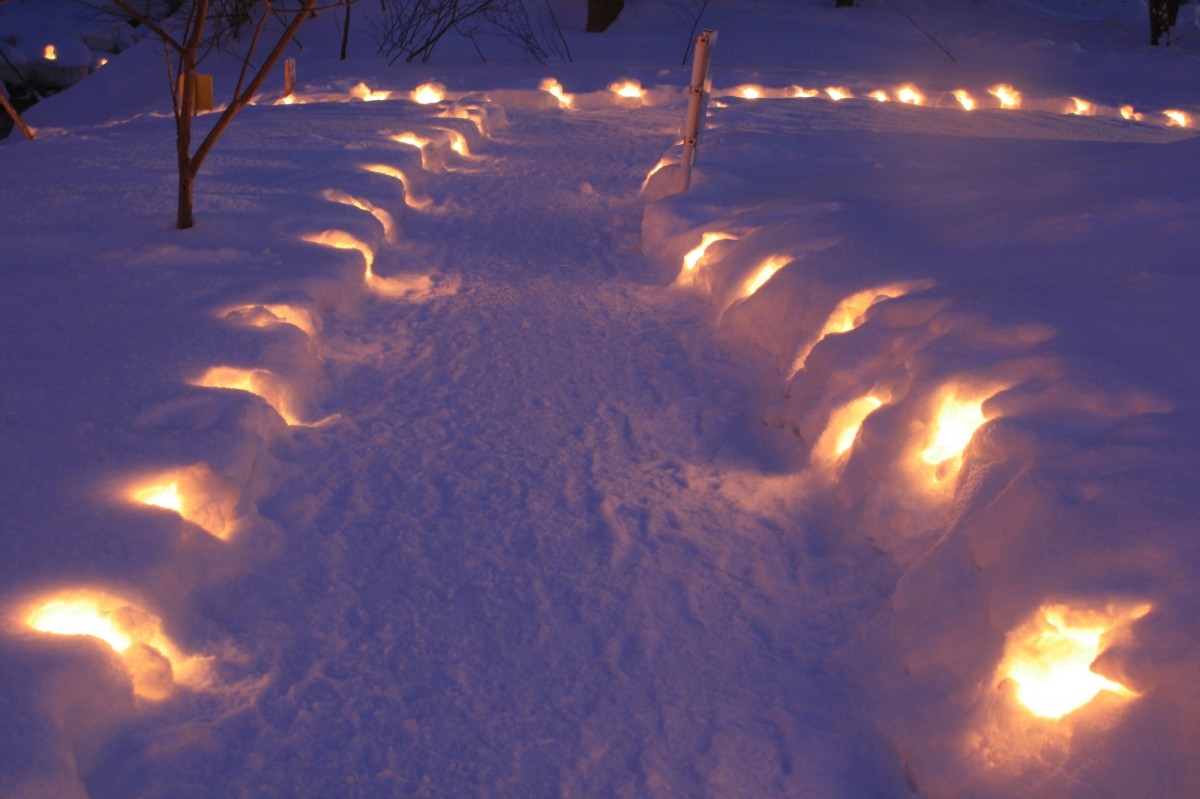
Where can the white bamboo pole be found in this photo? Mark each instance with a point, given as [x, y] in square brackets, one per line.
[697, 95]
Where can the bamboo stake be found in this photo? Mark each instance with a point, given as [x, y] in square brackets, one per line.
[12, 112]
[696, 97]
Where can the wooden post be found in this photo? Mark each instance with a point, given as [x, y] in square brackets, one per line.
[289, 74]
[16, 118]
[697, 96]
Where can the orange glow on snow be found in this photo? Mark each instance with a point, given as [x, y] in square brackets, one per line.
[49, 53]
[194, 493]
[1128, 113]
[413, 140]
[79, 616]
[692, 258]
[750, 92]
[341, 240]
[910, 95]
[1007, 95]
[428, 93]
[155, 664]
[836, 93]
[958, 415]
[381, 215]
[474, 114]
[552, 86]
[1178, 119]
[801, 92]
[1080, 107]
[260, 382]
[273, 314]
[418, 203]
[964, 99]
[662, 162]
[954, 425]
[838, 436]
[627, 88]
[848, 315]
[757, 279]
[1050, 657]
[363, 92]
[879, 95]
[160, 495]
[458, 142]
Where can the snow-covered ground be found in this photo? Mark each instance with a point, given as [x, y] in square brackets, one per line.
[454, 453]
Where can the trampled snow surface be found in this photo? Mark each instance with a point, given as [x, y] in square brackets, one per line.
[530, 503]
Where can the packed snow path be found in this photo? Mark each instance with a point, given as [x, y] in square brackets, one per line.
[509, 564]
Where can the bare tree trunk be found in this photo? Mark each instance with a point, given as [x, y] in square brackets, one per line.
[602, 13]
[345, 31]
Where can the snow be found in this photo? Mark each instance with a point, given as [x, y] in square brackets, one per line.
[423, 465]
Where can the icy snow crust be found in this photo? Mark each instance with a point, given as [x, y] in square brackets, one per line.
[440, 460]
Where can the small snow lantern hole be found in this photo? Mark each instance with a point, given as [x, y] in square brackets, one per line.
[260, 382]
[910, 95]
[552, 86]
[1007, 95]
[837, 93]
[839, 435]
[627, 88]
[155, 665]
[964, 99]
[428, 93]
[194, 493]
[692, 259]
[414, 202]
[381, 215]
[362, 91]
[1050, 657]
[1177, 119]
[848, 315]
[879, 96]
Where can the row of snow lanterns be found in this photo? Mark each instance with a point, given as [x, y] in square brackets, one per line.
[155, 664]
[1048, 658]
[1005, 97]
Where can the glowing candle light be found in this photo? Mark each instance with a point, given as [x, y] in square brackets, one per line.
[910, 95]
[1080, 107]
[552, 86]
[841, 431]
[627, 88]
[837, 93]
[1178, 119]
[428, 93]
[801, 92]
[879, 95]
[964, 99]
[50, 53]
[154, 664]
[160, 495]
[693, 257]
[764, 273]
[194, 493]
[1128, 112]
[751, 92]
[954, 425]
[1007, 95]
[79, 616]
[1050, 658]
[363, 92]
